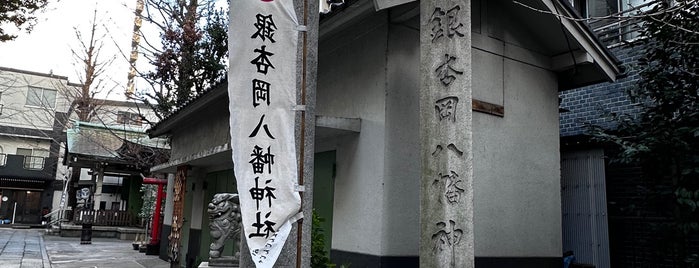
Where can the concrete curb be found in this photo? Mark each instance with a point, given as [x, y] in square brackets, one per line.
[44, 254]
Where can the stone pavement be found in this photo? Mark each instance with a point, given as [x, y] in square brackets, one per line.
[28, 248]
[22, 248]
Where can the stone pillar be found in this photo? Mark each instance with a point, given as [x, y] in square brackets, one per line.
[169, 201]
[98, 187]
[167, 217]
[446, 197]
[307, 77]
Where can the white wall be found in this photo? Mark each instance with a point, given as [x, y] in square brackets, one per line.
[516, 169]
[351, 83]
[107, 114]
[370, 71]
[14, 87]
[10, 144]
[402, 170]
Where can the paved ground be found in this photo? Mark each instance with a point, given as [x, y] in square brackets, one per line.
[22, 248]
[28, 248]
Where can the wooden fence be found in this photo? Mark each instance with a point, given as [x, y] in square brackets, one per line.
[104, 218]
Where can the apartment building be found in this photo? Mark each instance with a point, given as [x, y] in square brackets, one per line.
[33, 117]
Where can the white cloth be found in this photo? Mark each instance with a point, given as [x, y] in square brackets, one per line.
[262, 92]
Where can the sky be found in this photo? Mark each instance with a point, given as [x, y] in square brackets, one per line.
[47, 49]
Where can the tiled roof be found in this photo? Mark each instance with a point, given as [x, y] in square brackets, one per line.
[179, 109]
[103, 141]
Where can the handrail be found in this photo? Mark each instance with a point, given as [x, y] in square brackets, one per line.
[619, 27]
[62, 205]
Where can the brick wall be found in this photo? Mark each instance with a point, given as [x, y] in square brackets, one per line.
[634, 214]
[594, 104]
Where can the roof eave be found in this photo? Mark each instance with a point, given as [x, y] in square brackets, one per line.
[166, 125]
[601, 56]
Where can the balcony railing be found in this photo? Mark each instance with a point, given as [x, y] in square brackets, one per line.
[34, 162]
[34, 167]
[622, 27]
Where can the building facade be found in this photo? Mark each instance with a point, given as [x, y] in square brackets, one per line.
[367, 140]
[609, 218]
[33, 117]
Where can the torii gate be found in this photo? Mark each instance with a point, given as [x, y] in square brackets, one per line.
[155, 228]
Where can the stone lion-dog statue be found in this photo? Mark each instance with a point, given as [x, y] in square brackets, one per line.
[224, 223]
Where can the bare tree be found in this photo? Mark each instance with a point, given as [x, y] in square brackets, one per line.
[89, 56]
[83, 105]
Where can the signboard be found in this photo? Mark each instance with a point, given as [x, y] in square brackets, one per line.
[263, 38]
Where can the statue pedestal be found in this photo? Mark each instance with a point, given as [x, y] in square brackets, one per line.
[230, 262]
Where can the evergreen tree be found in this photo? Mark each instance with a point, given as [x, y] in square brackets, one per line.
[20, 14]
[193, 51]
[664, 137]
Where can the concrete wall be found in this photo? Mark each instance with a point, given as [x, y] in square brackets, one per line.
[351, 83]
[516, 169]
[370, 71]
[10, 144]
[402, 169]
[107, 114]
[190, 136]
[14, 87]
[517, 202]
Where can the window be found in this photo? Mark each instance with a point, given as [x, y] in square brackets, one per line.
[24, 152]
[601, 8]
[614, 21]
[129, 118]
[41, 97]
[33, 158]
[116, 206]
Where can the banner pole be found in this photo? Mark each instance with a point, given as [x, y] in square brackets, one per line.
[299, 239]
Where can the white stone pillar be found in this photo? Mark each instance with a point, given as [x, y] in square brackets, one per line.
[446, 197]
[169, 201]
[98, 187]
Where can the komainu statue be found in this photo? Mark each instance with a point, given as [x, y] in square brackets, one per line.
[224, 223]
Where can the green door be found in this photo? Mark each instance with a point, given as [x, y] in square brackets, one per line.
[323, 192]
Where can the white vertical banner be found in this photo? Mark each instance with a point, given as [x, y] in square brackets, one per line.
[262, 92]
